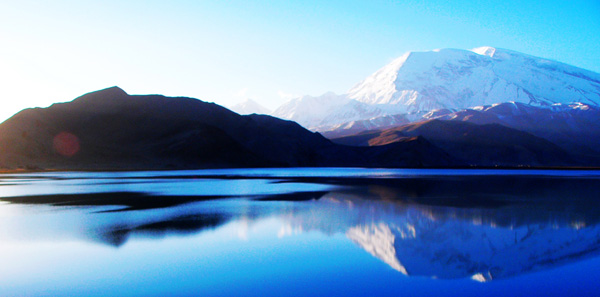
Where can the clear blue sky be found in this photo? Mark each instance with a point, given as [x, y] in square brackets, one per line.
[225, 51]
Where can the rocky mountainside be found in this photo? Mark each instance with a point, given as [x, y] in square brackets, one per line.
[573, 127]
[476, 145]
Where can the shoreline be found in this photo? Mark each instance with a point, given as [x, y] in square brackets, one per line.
[40, 170]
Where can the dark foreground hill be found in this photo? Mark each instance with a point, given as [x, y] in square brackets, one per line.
[110, 129]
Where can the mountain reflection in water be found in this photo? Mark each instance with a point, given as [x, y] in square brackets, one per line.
[446, 242]
[479, 227]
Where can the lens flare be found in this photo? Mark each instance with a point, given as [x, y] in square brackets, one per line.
[66, 144]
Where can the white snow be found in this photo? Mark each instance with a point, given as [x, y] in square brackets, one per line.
[451, 78]
[377, 240]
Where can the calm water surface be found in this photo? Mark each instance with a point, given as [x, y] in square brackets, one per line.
[301, 232]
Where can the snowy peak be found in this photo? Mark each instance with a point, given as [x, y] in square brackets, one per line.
[249, 107]
[458, 79]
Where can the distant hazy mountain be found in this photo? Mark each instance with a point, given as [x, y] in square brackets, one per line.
[110, 129]
[325, 111]
[420, 82]
[249, 107]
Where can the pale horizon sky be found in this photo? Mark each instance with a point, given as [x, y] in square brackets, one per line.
[270, 51]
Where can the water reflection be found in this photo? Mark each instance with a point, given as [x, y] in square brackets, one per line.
[185, 225]
[483, 228]
[446, 242]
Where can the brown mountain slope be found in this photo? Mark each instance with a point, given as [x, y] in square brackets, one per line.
[477, 145]
[573, 127]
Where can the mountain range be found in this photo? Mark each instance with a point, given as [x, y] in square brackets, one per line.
[552, 132]
[110, 129]
[425, 93]
[484, 107]
[447, 79]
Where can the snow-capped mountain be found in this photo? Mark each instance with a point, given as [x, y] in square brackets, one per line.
[249, 107]
[457, 79]
[453, 79]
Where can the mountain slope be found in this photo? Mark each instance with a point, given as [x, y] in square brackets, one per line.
[477, 145]
[573, 127]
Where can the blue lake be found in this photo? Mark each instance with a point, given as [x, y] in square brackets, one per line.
[301, 232]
